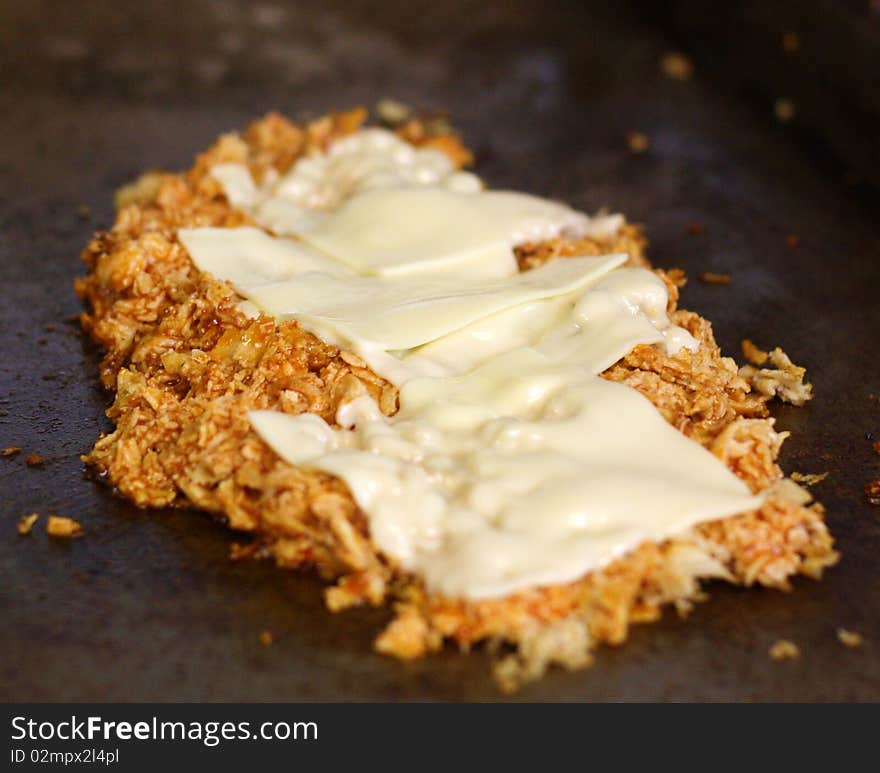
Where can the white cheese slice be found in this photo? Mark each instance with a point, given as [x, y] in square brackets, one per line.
[238, 184]
[524, 472]
[406, 312]
[400, 231]
[383, 206]
[249, 256]
[288, 279]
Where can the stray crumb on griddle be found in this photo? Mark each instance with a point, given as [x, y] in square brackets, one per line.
[808, 478]
[876, 446]
[637, 142]
[752, 353]
[791, 42]
[242, 552]
[695, 229]
[784, 110]
[83, 212]
[785, 649]
[677, 66]
[872, 492]
[436, 122]
[392, 113]
[11, 451]
[784, 380]
[792, 240]
[849, 638]
[26, 523]
[63, 527]
[34, 460]
[710, 277]
[267, 639]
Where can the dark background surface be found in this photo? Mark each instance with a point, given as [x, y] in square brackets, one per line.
[146, 606]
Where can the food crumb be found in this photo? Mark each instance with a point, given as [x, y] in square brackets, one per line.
[677, 277]
[784, 110]
[26, 523]
[712, 278]
[784, 649]
[752, 353]
[266, 638]
[807, 478]
[61, 526]
[391, 112]
[695, 229]
[876, 446]
[849, 638]
[872, 492]
[677, 66]
[791, 42]
[34, 460]
[637, 141]
[83, 212]
[785, 380]
[11, 451]
[792, 240]
[242, 552]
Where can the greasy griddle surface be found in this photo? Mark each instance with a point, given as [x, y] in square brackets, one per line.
[146, 606]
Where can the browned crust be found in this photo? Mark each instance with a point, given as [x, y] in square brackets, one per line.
[187, 366]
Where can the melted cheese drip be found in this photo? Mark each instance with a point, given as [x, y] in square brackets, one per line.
[510, 464]
[366, 160]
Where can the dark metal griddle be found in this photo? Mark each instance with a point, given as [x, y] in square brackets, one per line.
[146, 606]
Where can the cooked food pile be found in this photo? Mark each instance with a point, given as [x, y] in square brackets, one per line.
[481, 407]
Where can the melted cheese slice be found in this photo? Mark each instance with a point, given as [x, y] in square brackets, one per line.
[402, 231]
[524, 472]
[381, 206]
[250, 257]
[287, 279]
[594, 326]
[406, 313]
[238, 184]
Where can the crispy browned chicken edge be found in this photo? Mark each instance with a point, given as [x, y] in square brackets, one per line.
[186, 366]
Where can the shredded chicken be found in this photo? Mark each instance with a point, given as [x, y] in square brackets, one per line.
[63, 527]
[785, 380]
[785, 650]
